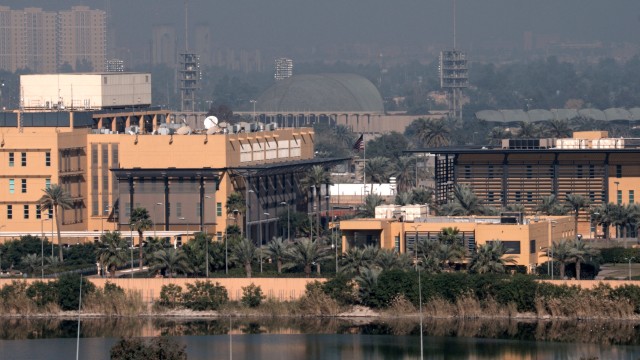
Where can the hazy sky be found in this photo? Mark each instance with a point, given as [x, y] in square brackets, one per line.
[307, 23]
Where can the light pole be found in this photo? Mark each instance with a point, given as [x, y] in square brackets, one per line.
[106, 211]
[254, 109]
[415, 245]
[226, 241]
[629, 259]
[131, 246]
[155, 216]
[261, 240]
[288, 221]
[550, 248]
[183, 219]
[41, 248]
[618, 199]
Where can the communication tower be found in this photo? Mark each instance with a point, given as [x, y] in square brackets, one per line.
[188, 70]
[454, 74]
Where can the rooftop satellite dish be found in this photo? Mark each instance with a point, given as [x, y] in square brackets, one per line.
[185, 130]
[212, 130]
[223, 125]
[210, 121]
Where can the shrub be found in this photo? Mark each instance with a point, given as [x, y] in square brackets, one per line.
[156, 348]
[252, 295]
[342, 289]
[630, 293]
[170, 295]
[519, 290]
[203, 295]
[42, 293]
[316, 302]
[14, 299]
[391, 284]
[619, 255]
[68, 289]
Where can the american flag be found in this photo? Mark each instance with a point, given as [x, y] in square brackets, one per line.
[359, 145]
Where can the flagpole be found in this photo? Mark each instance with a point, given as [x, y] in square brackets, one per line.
[364, 167]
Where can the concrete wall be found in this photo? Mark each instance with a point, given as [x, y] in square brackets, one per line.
[283, 289]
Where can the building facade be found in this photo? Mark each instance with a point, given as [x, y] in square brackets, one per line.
[43, 41]
[525, 238]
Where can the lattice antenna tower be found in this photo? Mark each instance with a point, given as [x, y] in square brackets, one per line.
[454, 73]
[188, 70]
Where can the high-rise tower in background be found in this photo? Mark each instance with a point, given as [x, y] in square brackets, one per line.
[163, 45]
[44, 41]
[284, 68]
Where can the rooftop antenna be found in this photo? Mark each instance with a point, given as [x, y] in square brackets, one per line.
[454, 24]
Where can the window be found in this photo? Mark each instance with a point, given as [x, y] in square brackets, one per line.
[510, 247]
[9, 212]
[518, 196]
[467, 172]
[12, 186]
[47, 183]
[50, 213]
[618, 171]
[24, 186]
[490, 196]
[38, 212]
[529, 172]
[218, 209]
[529, 196]
[619, 197]
[632, 196]
[23, 159]
[11, 159]
[532, 246]
[219, 235]
[592, 171]
[26, 211]
[179, 209]
[579, 171]
[592, 196]
[490, 171]
[397, 244]
[47, 159]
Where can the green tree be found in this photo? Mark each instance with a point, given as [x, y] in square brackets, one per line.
[390, 146]
[305, 252]
[370, 203]
[549, 205]
[171, 260]
[528, 130]
[68, 290]
[356, 259]
[244, 252]
[236, 205]
[140, 221]
[491, 258]
[56, 197]
[252, 295]
[464, 203]
[562, 253]
[277, 250]
[112, 252]
[377, 170]
[31, 263]
[576, 203]
[315, 178]
[389, 259]
[405, 173]
[580, 252]
[429, 133]
[558, 128]
[604, 215]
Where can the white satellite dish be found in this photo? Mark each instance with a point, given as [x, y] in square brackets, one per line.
[184, 130]
[210, 121]
[212, 130]
[223, 125]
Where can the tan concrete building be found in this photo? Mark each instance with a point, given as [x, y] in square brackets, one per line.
[82, 38]
[182, 178]
[526, 238]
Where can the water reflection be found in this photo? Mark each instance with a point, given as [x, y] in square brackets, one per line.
[593, 332]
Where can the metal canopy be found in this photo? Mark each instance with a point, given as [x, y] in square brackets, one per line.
[283, 167]
[208, 173]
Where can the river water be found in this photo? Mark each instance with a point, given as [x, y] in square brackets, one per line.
[328, 338]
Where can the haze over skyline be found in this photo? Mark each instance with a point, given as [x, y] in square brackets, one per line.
[306, 24]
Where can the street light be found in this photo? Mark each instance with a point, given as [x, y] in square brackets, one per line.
[131, 246]
[226, 241]
[629, 259]
[106, 211]
[254, 109]
[183, 219]
[415, 244]
[42, 247]
[261, 242]
[288, 221]
[155, 216]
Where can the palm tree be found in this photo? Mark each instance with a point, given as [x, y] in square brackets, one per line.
[558, 128]
[357, 259]
[428, 255]
[528, 130]
[344, 136]
[315, 178]
[306, 253]
[561, 252]
[277, 250]
[31, 263]
[405, 173]
[432, 133]
[490, 258]
[140, 221]
[496, 135]
[54, 197]
[623, 217]
[465, 202]
[389, 259]
[171, 260]
[378, 170]
[579, 251]
[604, 215]
[370, 203]
[550, 206]
[449, 253]
[112, 252]
[244, 252]
[236, 205]
[576, 203]
[403, 198]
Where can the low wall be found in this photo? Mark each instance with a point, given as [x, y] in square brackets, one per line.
[282, 289]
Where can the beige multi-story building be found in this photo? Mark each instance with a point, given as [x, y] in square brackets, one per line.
[42, 41]
[82, 38]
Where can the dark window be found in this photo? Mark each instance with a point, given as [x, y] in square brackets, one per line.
[38, 213]
[618, 171]
[467, 172]
[26, 211]
[490, 171]
[518, 196]
[24, 186]
[579, 171]
[23, 159]
[9, 212]
[529, 196]
[510, 247]
[532, 246]
[529, 172]
[47, 159]
[11, 159]
[592, 171]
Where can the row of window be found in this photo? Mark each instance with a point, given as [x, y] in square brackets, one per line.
[23, 185]
[23, 159]
[529, 172]
[178, 206]
[632, 197]
[26, 211]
